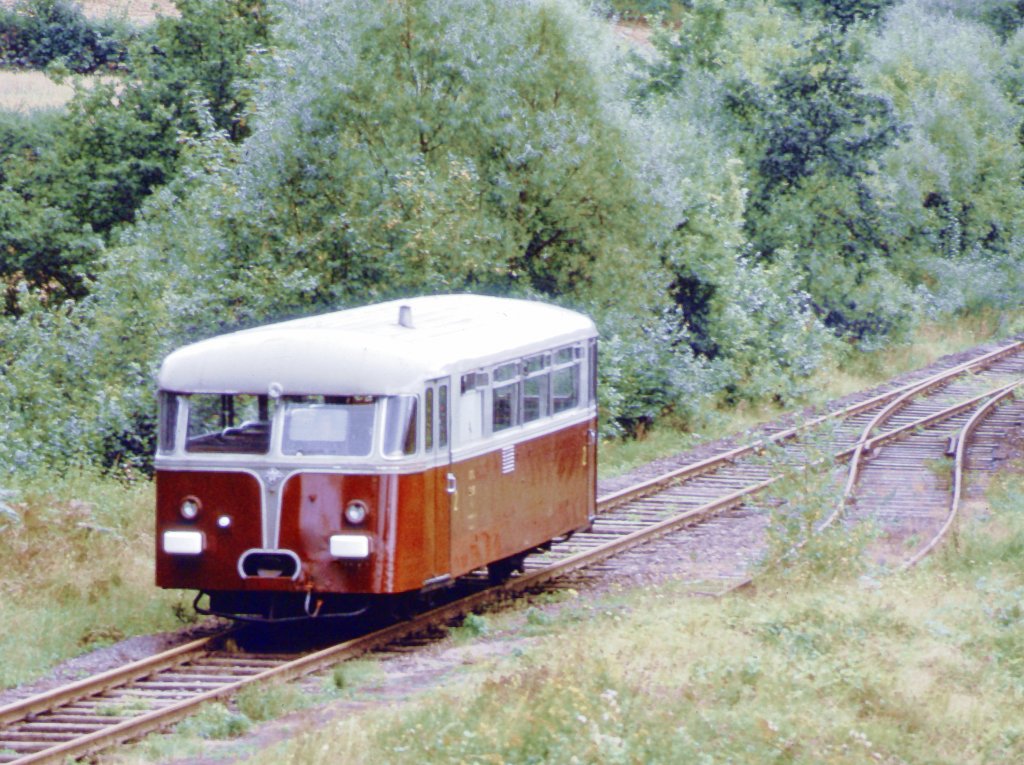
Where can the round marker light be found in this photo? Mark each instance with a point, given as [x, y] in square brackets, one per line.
[190, 509]
[355, 512]
[224, 521]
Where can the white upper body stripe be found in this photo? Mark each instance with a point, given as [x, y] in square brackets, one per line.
[366, 351]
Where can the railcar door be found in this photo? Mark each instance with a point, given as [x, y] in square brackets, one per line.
[437, 447]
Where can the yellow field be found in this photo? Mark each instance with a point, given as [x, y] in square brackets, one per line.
[139, 11]
[24, 91]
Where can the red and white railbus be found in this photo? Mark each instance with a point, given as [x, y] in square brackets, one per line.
[313, 466]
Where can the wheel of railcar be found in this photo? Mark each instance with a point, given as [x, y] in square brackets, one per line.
[500, 570]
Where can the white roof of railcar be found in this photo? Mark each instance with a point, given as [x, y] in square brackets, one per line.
[365, 351]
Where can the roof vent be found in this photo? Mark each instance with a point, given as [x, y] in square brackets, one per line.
[405, 316]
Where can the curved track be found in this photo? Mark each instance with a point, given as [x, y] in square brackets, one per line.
[907, 480]
[95, 713]
[911, 489]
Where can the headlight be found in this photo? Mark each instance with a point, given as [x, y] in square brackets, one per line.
[190, 508]
[355, 512]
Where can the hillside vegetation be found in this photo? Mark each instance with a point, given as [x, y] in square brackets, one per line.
[778, 185]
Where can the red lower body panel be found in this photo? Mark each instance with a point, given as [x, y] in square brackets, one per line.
[279, 539]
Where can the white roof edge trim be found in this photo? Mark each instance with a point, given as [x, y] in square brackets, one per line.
[365, 351]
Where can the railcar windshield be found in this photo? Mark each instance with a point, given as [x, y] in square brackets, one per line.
[328, 425]
[231, 424]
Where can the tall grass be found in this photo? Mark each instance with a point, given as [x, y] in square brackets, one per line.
[77, 553]
[922, 667]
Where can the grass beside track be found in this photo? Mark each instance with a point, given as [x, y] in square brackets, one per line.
[922, 667]
[77, 556]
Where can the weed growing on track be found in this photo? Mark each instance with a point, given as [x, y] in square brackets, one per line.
[265, 702]
[808, 494]
[473, 626]
[78, 564]
[919, 667]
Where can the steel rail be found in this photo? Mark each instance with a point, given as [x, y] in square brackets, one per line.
[867, 444]
[861, 448]
[96, 684]
[959, 462]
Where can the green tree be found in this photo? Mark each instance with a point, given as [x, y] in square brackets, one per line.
[954, 182]
[818, 135]
[842, 13]
[122, 137]
[437, 146]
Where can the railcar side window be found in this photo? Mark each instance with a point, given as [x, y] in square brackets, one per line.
[565, 380]
[400, 426]
[566, 385]
[336, 425]
[230, 424]
[592, 380]
[168, 420]
[428, 419]
[535, 387]
[442, 413]
[505, 403]
[505, 398]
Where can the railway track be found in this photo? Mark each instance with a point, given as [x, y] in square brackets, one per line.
[911, 489]
[883, 434]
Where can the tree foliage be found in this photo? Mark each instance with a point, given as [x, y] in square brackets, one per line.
[37, 33]
[818, 135]
[438, 146]
[122, 137]
[841, 13]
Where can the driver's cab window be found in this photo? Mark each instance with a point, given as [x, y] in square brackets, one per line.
[233, 424]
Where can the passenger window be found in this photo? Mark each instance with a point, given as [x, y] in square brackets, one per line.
[474, 380]
[564, 355]
[442, 413]
[428, 420]
[506, 372]
[592, 387]
[400, 426]
[168, 420]
[536, 363]
[535, 396]
[506, 398]
[565, 385]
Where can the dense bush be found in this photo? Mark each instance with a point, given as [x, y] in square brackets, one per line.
[120, 138]
[37, 33]
[953, 184]
[842, 13]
